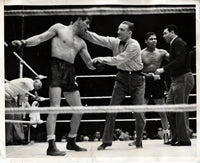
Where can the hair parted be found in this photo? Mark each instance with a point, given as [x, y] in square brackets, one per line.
[172, 27]
[148, 34]
[130, 25]
[83, 17]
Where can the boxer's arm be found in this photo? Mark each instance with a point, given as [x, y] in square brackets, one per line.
[37, 39]
[86, 56]
[166, 55]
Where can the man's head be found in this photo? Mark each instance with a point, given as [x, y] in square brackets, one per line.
[82, 23]
[37, 84]
[169, 32]
[151, 40]
[125, 30]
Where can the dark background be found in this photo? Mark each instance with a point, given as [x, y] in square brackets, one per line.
[21, 27]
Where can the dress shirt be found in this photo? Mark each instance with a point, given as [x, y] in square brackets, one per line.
[14, 87]
[173, 40]
[126, 57]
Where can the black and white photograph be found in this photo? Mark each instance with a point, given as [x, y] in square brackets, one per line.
[99, 81]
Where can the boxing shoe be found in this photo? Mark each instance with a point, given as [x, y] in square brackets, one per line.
[103, 146]
[53, 150]
[138, 145]
[71, 145]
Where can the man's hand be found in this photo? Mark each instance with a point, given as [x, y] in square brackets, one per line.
[159, 71]
[156, 77]
[19, 43]
[98, 64]
[40, 98]
[41, 77]
[152, 77]
[98, 59]
[91, 66]
[149, 75]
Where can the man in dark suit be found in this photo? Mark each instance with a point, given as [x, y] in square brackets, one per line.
[182, 83]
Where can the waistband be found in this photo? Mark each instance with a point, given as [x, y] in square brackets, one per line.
[131, 72]
[61, 60]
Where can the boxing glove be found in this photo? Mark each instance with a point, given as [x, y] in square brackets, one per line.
[19, 43]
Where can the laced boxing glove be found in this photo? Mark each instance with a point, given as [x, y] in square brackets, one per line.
[149, 77]
[99, 66]
[19, 43]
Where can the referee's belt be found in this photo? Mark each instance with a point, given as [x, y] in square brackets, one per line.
[132, 72]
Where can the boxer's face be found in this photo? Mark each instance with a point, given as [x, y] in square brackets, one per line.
[83, 25]
[151, 41]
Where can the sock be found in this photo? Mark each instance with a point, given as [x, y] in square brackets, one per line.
[50, 137]
[72, 135]
[166, 131]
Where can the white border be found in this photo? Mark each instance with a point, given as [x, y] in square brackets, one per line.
[90, 2]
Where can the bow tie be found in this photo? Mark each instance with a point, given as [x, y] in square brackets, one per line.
[122, 42]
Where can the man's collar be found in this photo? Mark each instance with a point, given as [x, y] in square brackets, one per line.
[173, 39]
[124, 42]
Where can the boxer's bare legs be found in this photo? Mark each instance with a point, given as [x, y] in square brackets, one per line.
[74, 99]
[163, 116]
[55, 97]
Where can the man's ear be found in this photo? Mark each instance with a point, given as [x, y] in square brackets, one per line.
[130, 32]
[79, 19]
[172, 32]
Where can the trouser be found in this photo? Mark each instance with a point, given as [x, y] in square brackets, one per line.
[14, 131]
[180, 89]
[126, 84]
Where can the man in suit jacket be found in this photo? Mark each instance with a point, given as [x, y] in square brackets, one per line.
[182, 83]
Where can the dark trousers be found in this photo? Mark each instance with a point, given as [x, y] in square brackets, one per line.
[180, 89]
[126, 84]
[14, 131]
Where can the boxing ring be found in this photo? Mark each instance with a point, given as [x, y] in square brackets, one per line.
[119, 151]
[153, 150]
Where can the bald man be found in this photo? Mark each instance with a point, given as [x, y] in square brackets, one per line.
[14, 88]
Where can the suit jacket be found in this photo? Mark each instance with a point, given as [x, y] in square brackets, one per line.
[179, 58]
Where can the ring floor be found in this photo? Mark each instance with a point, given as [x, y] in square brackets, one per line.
[153, 150]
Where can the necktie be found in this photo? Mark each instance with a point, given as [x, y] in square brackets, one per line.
[122, 42]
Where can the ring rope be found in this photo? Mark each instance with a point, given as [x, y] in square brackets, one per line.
[85, 120]
[100, 11]
[22, 121]
[101, 97]
[105, 109]
[103, 76]
[95, 76]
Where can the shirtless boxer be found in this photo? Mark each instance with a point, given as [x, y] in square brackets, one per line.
[65, 45]
[152, 59]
